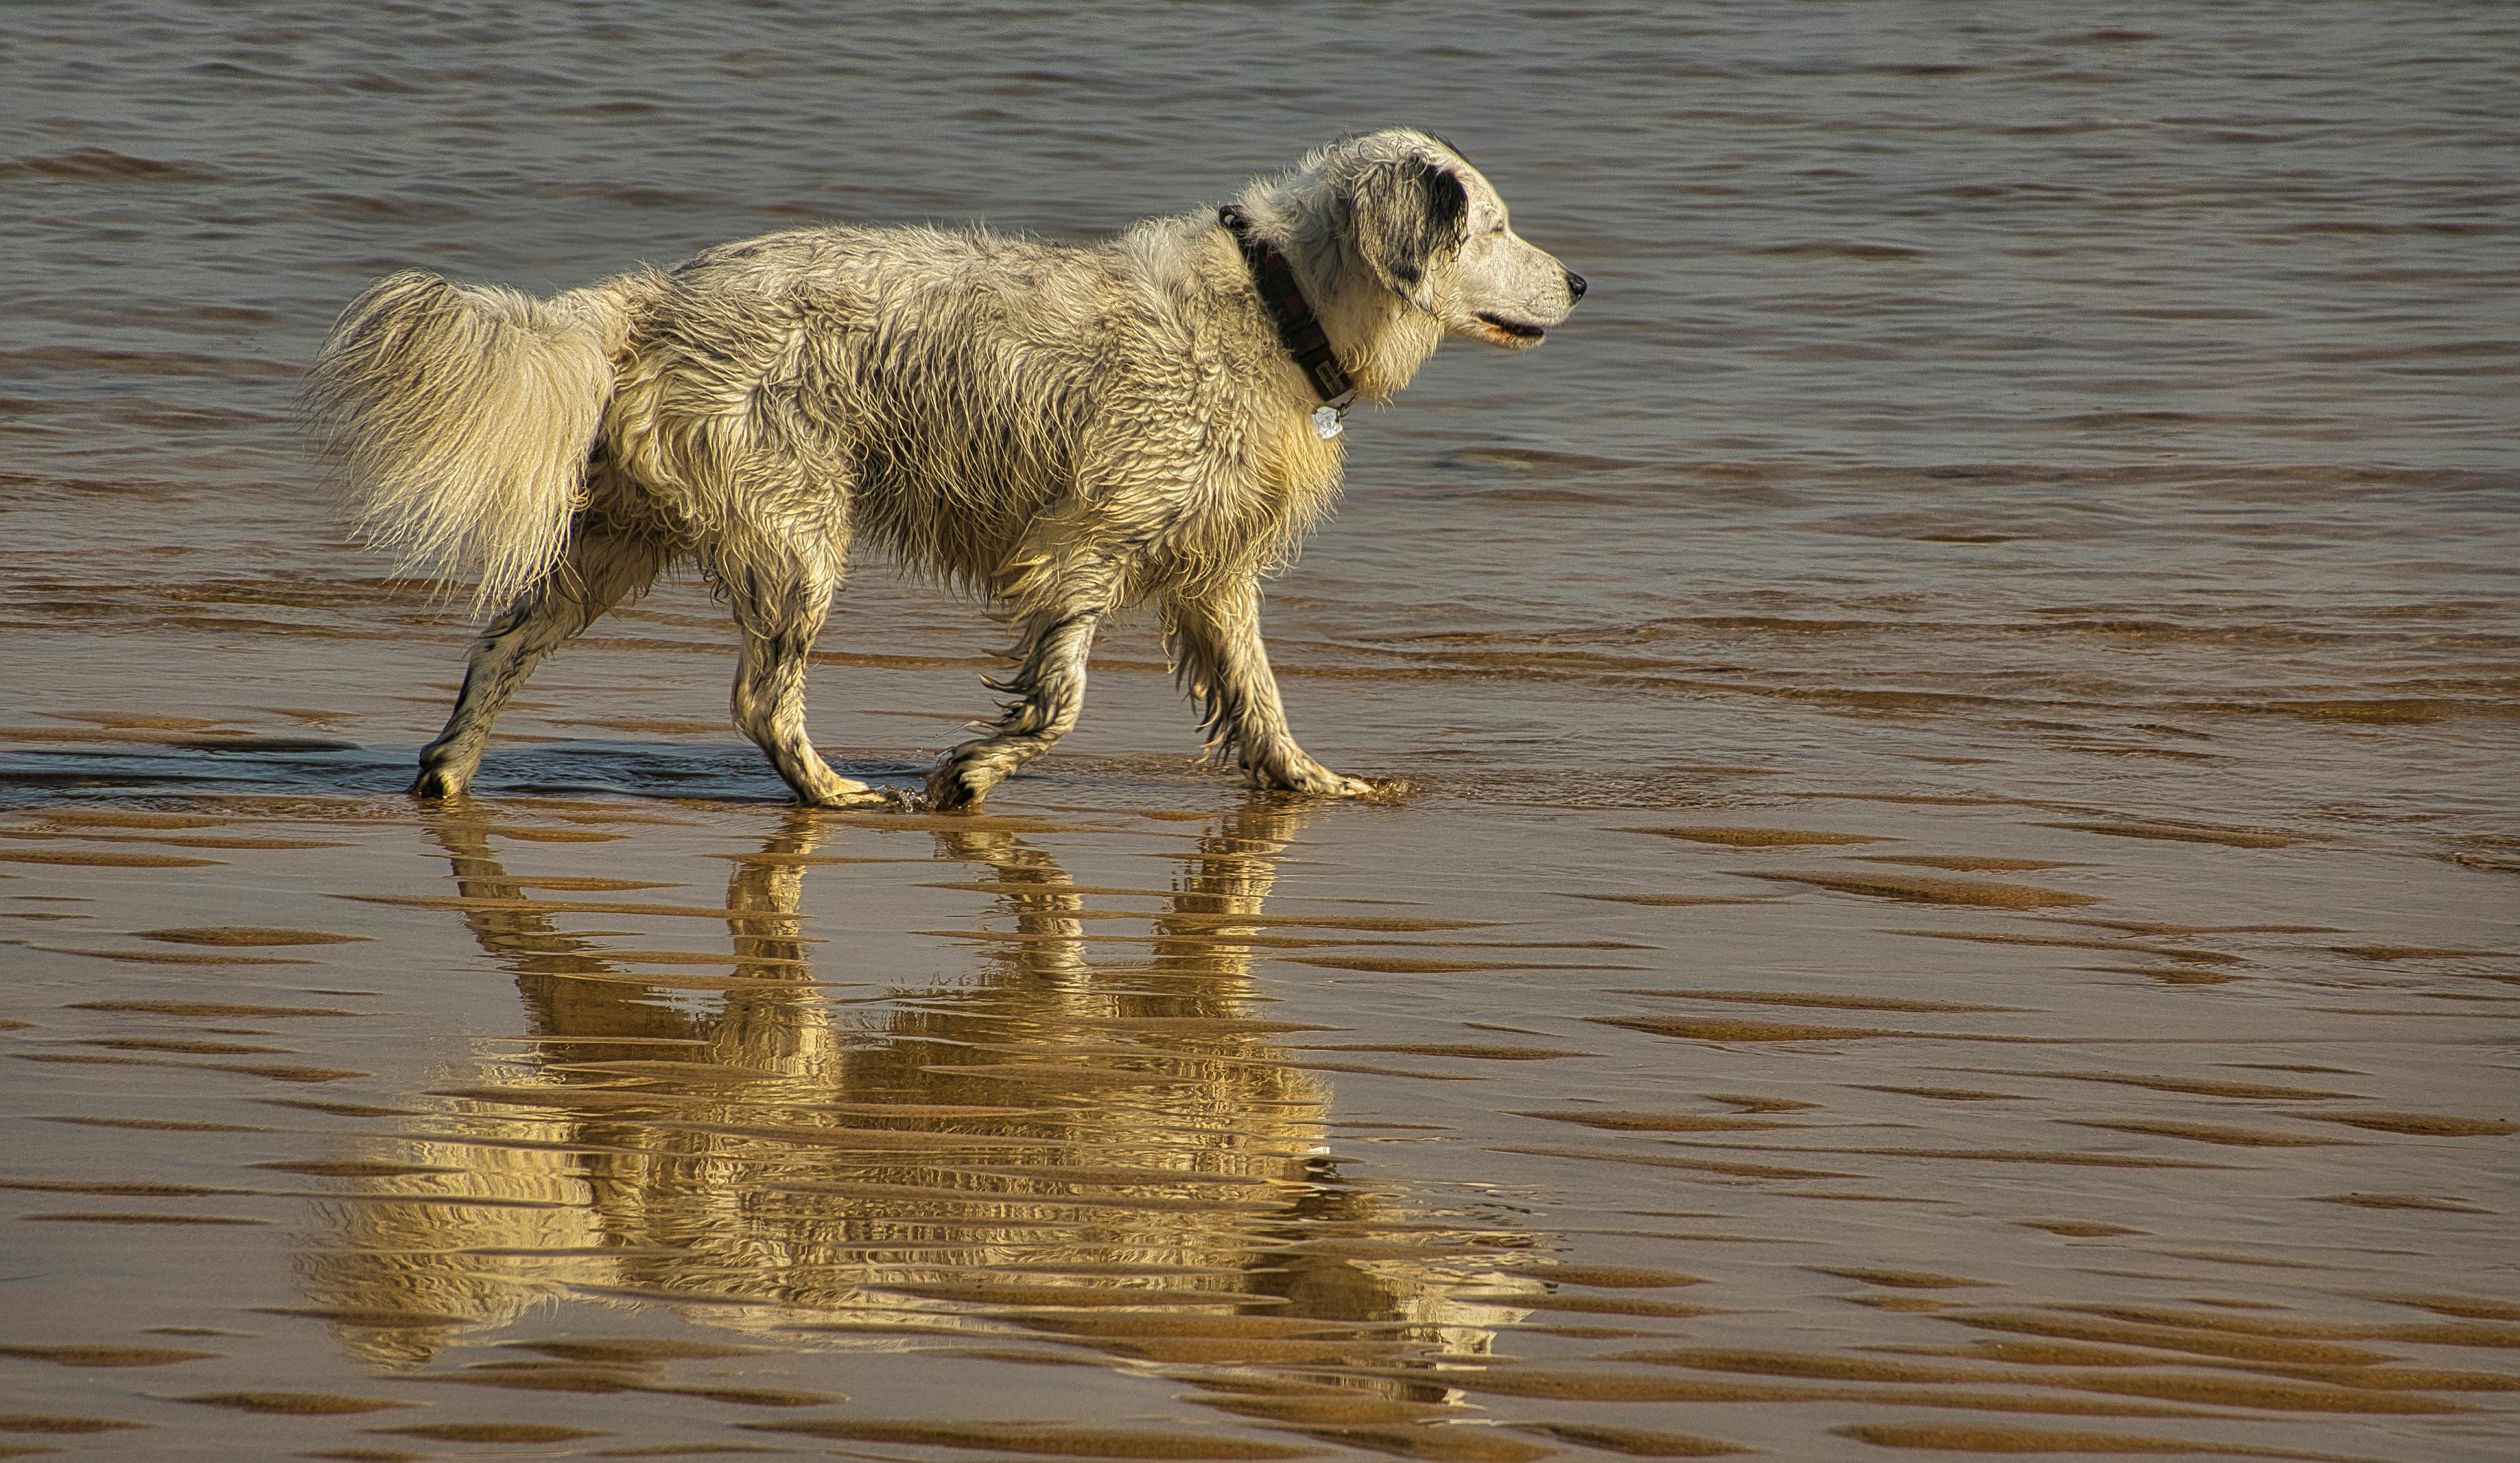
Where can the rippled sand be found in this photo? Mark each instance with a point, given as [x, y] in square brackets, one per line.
[1176, 1124]
[1946, 885]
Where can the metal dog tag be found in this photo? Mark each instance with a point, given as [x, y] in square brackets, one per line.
[1328, 423]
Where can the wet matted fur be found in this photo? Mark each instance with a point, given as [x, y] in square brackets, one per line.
[1065, 432]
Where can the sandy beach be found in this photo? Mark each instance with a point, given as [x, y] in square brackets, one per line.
[1253, 1125]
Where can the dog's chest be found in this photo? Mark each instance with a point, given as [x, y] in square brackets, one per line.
[1264, 486]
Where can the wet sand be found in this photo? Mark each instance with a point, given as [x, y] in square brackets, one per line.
[1142, 1117]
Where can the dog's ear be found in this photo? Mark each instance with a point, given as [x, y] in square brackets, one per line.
[1403, 214]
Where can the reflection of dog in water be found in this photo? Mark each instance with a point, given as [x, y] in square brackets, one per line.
[1080, 1138]
[1066, 431]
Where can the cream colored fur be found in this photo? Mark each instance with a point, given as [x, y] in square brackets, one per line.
[1063, 431]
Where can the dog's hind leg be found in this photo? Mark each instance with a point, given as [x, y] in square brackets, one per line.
[1214, 642]
[1049, 687]
[780, 610]
[597, 572]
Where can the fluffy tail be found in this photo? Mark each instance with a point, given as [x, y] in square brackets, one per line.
[461, 417]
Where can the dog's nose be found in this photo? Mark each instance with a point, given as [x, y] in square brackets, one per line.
[1574, 284]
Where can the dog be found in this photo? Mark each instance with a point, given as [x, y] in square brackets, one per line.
[1065, 432]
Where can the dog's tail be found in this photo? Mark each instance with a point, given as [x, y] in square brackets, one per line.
[461, 417]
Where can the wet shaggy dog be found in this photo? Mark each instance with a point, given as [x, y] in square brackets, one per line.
[1065, 432]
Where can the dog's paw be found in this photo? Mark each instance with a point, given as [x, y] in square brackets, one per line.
[856, 796]
[952, 787]
[1316, 780]
[437, 783]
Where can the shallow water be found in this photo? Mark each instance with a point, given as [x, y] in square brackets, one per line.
[1952, 894]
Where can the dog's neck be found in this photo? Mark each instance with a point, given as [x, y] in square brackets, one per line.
[1376, 340]
[1299, 329]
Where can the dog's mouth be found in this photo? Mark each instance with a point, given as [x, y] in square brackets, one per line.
[1514, 327]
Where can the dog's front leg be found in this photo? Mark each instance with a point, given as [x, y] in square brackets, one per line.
[1049, 683]
[1214, 642]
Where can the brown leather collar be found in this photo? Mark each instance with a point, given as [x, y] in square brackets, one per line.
[1299, 329]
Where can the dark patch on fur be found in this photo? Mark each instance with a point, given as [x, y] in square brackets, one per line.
[1406, 214]
[1448, 202]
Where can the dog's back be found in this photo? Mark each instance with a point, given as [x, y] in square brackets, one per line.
[941, 392]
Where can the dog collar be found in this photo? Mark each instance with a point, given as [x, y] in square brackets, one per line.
[1299, 329]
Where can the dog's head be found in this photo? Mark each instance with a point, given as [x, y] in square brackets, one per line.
[1428, 228]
